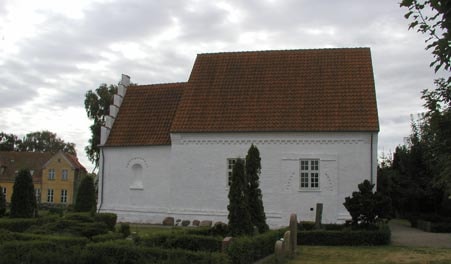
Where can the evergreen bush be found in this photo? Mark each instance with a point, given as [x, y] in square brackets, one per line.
[254, 193]
[2, 203]
[108, 218]
[86, 196]
[23, 199]
[239, 217]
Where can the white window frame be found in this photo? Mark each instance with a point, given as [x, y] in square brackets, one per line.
[63, 196]
[230, 163]
[50, 193]
[309, 174]
[38, 194]
[51, 174]
[64, 175]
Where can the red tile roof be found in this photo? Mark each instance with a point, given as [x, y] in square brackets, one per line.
[74, 161]
[289, 90]
[146, 115]
[13, 162]
[260, 91]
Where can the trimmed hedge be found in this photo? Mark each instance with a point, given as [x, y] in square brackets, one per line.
[107, 237]
[108, 218]
[182, 241]
[71, 227]
[346, 237]
[124, 252]
[249, 249]
[22, 224]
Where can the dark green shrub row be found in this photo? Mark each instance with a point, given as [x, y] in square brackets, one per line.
[216, 230]
[345, 237]
[7, 236]
[38, 251]
[22, 224]
[107, 237]
[182, 241]
[124, 252]
[108, 218]
[249, 249]
[70, 227]
[305, 225]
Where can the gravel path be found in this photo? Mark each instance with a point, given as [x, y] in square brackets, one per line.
[403, 235]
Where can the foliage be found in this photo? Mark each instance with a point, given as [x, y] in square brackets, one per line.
[20, 224]
[124, 229]
[345, 237]
[97, 105]
[39, 141]
[23, 199]
[107, 237]
[125, 252]
[182, 241]
[239, 217]
[108, 218]
[86, 196]
[2, 203]
[367, 207]
[432, 17]
[254, 193]
[9, 142]
[247, 249]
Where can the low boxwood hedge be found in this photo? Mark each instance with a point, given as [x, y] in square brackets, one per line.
[123, 251]
[345, 237]
[249, 249]
[182, 241]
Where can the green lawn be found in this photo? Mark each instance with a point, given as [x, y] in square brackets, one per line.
[370, 255]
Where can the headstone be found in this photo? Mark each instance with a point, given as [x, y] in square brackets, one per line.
[186, 222]
[278, 249]
[206, 223]
[293, 233]
[225, 244]
[196, 222]
[287, 243]
[168, 221]
[319, 215]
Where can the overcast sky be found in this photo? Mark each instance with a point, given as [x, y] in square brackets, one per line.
[53, 51]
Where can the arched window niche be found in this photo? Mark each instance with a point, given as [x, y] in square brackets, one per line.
[136, 168]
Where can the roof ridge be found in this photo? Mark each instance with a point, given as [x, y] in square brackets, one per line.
[160, 84]
[283, 50]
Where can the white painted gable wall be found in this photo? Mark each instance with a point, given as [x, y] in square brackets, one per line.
[188, 180]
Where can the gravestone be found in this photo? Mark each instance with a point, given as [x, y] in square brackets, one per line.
[287, 243]
[206, 223]
[168, 221]
[225, 244]
[279, 250]
[196, 222]
[293, 233]
[186, 222]
[319, 215]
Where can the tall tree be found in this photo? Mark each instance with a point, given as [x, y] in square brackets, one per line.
[255, 202]
[97, 105]
[239, 217]
[23, 199]
[86, 196]
[9, 142]
[2, 203]
[45, 141]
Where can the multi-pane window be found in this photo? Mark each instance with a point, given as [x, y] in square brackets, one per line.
[64, 175]
[63, 196]
[37, 192]
[230, 164]
[51, 174]
[50, 195]
[309, 174]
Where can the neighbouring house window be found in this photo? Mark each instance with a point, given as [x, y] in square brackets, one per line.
[63, 196]
[309, 175]
[230, 164]
[51, 174]
[38, 195]
[64, 175]
[4, 191]
[50, 195]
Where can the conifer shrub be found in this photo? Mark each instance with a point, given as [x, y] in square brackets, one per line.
[2, 203]
[86, 196]
[124, 229]
[108, 218]
[23, 199]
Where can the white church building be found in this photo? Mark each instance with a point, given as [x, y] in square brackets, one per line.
[168, 149]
